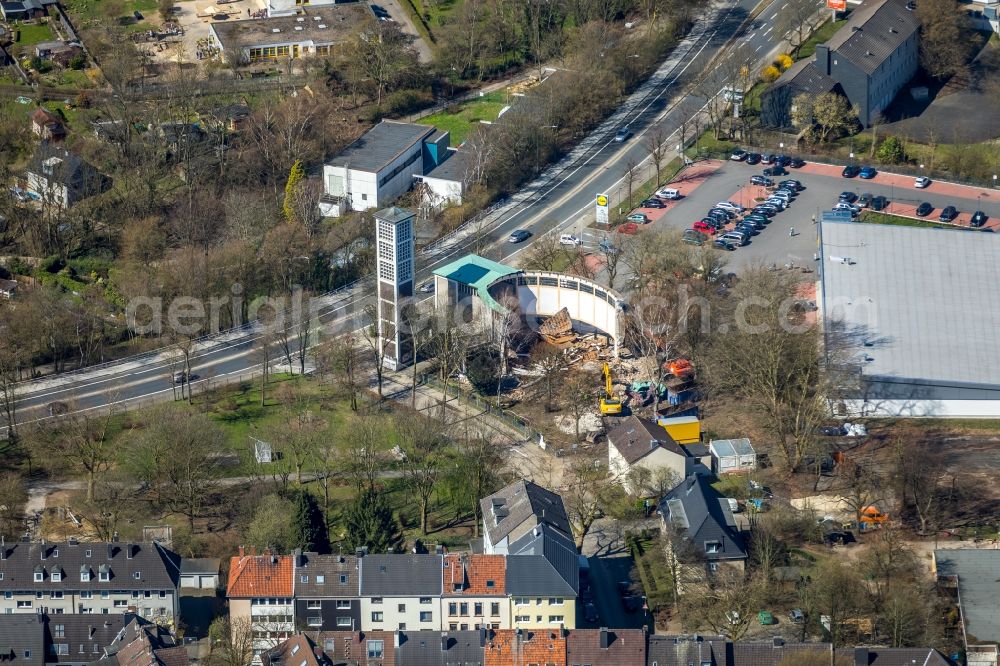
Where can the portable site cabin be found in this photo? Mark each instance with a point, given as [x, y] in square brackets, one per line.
[683, 429]
[732, 455]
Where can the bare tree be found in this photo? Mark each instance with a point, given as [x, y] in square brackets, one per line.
[478, 471]
[422, 444]
[630, 174]
[552, 364]
[656, 146]
[85, 440]
[232, 641]
[341, 358]
[585, 496]
[376, 343]
[365, 454]
[726, 603]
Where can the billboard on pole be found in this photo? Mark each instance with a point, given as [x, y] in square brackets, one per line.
[837, 5]
[602, 202]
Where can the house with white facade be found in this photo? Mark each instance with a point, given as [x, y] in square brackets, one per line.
[261, 590]
[380, 166]
[637, 444]
[401, 592]
[62, 178]
[446, 184]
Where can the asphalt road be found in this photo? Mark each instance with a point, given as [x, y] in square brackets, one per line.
[553, 203]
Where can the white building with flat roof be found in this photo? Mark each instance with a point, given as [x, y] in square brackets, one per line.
[916, 309]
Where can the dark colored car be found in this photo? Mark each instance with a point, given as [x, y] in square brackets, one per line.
[766, 212]
[754, 222]
[738, 155]
[848, 197]
[850, 171]
[729, 214]
[879, 202]
[948, 214]
[722, 244]
[761, 180]
[924, 209]
[783, 160]
[753, 158]
[694, 237]
[797, 163]
[768, 159]
[622, 134]
[652, 203]
[747, 228]
[775, 171]
[518, 236]
[867, 172]
[791, 184]
[978, 219]
[590, 613]
[865, 200]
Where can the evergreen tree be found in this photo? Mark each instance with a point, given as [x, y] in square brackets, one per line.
[308, 524]
[370, 523]
[296, 175]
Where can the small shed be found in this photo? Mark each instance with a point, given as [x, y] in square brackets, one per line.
[683, 429]
[200, 573]
[732, 455]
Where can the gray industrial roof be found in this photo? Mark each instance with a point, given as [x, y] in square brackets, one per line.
[912, 301]
[873, 32]
[704, 514]
[320, 25]
[522, 504]
[454, 168]
[543, 561]
[380, 145]
[326, 576]
[401, 575]
[979, 588]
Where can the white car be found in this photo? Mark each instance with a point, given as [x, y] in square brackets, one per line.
[427, 288]
[729, 205]
[569, 239]
[780, 204]
[669, 193]
[843, 205]
[921, 182]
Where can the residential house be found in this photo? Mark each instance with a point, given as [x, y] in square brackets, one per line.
[141, 643]
[24, 9]
[474, 592]
[299, 650]
[62, 178]
[639, 444]
[360, 648]
[664, 650]
[516, 510]
[261, 590]
[702, 517]
[507, 647]
[59, 52]
[446, 184]
[440, 648]
[22, 639]
[970, 575]
[47, 125]
[871, 57]
[380, 166]
[75, 640]
[400, 592]
[882, 656]
[326, 592]
[543, 580]
[605, 647]
[108, 578]
[200, 573]
[732, 455]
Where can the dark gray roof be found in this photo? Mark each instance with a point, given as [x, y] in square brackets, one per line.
[94, 632]
[705, 515]
[873, 32]
[805, 77]
[311, 567]
[157, 568]
[978, 587]
[200, 565]
[19, 634]
[636, 438]
[523, 505]
[543, 561]
[67, 168]
[401, 575]
[775, 652]
[437, 648]
[393, 214]
[380, 145]
[685, 650]
[143, 643]
[455, 168]
[883, 656]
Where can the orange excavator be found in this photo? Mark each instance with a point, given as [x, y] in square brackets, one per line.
[871, 518]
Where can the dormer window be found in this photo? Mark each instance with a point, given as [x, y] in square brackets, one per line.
[713, 547]
[39, 575]
[84, 574]
[55, 552]
[137, 575]
[57, 576]
[104, 573]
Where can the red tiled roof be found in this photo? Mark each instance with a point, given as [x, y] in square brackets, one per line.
[472, 572]
[543, 646]
[260, 576]
[44, 117]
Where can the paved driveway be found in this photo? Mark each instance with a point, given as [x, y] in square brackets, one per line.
[610, 562]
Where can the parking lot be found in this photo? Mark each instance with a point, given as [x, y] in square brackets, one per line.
[791, 236]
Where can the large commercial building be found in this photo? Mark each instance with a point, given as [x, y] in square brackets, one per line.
[911, 306]
[869, 59]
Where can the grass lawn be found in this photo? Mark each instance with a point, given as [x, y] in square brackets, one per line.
[823, 33]
[872, 217]
[87, 10]
[707, 143]
[460, 118]
[437, 12]
[33, 34]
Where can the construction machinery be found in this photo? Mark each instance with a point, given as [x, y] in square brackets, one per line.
[609, 403]
[872, 518]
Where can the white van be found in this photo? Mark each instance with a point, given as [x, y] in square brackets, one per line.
[669, 193]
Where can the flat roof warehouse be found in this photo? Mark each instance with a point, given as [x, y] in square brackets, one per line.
[912, 302]
[321, 26]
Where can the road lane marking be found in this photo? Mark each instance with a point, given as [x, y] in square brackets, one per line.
[769, 31]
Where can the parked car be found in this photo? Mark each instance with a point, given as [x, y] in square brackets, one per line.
[879, 202]
[797, 616]
[766, 618]
[623, 134]
[783, 160]
[726, 214]
[737, 237]
[797, 163]
[948, 214]
[850, 171]
[922, 182]
[849, 197]
[761, 180]
[426, 287]
[694, 237]
[669, 193]
[632, 603]
[865, 200]
[638, 218]
[924, 209]
[766, 210]
[791, 184]
[753, 158]
[978, 219]
[518, 236]
[755, 218]
[652, 203]
[775, 171]
[867, 173]
[754, 222]
[607, 247]
[738, 155]
[703, 227]
[590, 613]
[723, 244]
[831, 431]
[569, 239]
[783, 195]
[789, 191]
[780, 204]
[716, 218]
[844, 205]
[911, 5]
[729, 205]
[768, 158]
